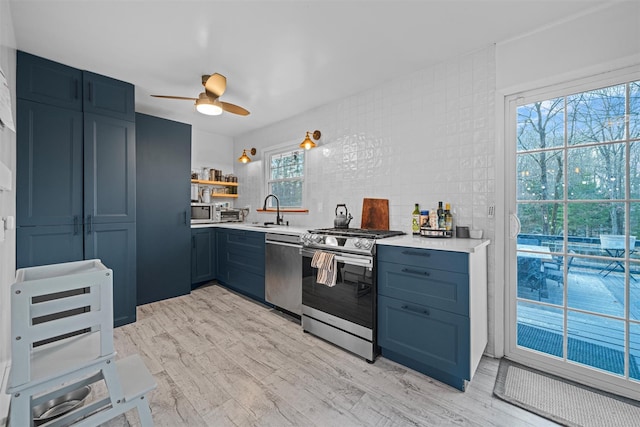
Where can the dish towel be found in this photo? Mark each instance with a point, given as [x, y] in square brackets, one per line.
[325, 262]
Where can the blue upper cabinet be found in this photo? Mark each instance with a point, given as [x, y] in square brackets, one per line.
[48, 82]
[109, 169]
[108, 97]
[49, 171]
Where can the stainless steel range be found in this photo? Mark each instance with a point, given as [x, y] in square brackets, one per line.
[342, 313]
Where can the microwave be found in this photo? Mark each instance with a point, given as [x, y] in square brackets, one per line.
[203, 213]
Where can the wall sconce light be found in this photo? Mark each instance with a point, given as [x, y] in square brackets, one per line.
[308, 144]
[244, 158]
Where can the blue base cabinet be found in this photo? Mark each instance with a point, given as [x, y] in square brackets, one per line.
[432, 310]
[241, 261]
[203, 255]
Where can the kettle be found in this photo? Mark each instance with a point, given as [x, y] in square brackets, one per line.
[342, 220]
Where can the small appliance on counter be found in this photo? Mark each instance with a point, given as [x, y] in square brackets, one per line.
[208, 213]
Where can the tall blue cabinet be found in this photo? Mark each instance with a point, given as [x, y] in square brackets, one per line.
[76, 183]
[163, 165]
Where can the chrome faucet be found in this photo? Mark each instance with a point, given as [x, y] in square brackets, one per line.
[279, 220]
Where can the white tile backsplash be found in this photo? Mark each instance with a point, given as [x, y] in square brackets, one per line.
[426, 137]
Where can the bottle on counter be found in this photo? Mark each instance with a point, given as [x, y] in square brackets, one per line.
[415, 220]
[424, 218]
[448, 218]
[441, 220]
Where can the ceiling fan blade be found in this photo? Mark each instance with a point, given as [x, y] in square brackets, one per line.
[174, 97]
[215, 85]
[235, 109]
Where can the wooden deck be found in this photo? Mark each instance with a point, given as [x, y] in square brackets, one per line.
[588, 290]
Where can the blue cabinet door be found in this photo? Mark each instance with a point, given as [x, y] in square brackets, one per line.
[108, 97]
[430, 337]
[115, 245]
[49, 165]
[241, 261]
[163, 164]
[48, 82]
[109, 170]
[48, 244]
[203, 255]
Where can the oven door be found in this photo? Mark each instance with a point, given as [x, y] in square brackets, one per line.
[352, 298]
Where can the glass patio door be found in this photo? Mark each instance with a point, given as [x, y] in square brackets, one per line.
[575, 258]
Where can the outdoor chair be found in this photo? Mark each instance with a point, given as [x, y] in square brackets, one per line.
[554, 270]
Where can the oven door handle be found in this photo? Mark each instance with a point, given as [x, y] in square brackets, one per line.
[348, 260]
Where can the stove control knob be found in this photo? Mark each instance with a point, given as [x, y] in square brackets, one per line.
[316, 238]
[357, 242]
[366, 244]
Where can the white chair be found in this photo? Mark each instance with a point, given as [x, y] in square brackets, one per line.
[62, 340]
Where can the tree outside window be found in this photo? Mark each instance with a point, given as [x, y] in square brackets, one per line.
[574, 152]
[286, 178]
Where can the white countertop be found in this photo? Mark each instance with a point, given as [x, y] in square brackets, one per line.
[452, 244]
[444, 244]
[280, 229]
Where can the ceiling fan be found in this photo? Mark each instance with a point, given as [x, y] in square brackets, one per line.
[208, 102]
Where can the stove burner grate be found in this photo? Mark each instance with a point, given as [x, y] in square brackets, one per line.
[357, 232]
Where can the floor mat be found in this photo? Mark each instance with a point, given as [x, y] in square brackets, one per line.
[580, 351]
[563, 401]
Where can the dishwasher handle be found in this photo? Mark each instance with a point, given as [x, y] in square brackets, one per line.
[291, 245]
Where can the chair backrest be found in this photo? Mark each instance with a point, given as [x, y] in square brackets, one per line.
[51, 303]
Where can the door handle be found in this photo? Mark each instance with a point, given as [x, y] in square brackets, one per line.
[89, 223]
[514, 226]
[185, 217]
[416, 310]
[75, 224]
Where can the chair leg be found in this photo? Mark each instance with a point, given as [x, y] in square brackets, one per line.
[20, 410]
[144, 412]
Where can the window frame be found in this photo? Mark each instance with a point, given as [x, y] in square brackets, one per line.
[291, 146]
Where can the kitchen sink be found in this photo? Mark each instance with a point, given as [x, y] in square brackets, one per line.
[265, 225]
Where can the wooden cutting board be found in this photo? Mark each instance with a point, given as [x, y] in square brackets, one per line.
[375, 214]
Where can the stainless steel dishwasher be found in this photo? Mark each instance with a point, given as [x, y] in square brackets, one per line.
[283, 272]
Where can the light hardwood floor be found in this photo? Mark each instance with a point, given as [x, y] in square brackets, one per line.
[223, 360]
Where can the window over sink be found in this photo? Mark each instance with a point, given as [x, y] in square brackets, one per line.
[285, 173]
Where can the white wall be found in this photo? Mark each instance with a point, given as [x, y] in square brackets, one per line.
[7, 198]
[212, 150]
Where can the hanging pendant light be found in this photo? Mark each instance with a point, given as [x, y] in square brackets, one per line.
[308, 144]
[244, 158]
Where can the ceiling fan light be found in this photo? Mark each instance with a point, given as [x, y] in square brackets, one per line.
[207, 106]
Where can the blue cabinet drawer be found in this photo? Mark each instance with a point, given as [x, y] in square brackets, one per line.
[428, 258]
[429, 336]
[435, 288]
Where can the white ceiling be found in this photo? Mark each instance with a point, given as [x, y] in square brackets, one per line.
[280, 57]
